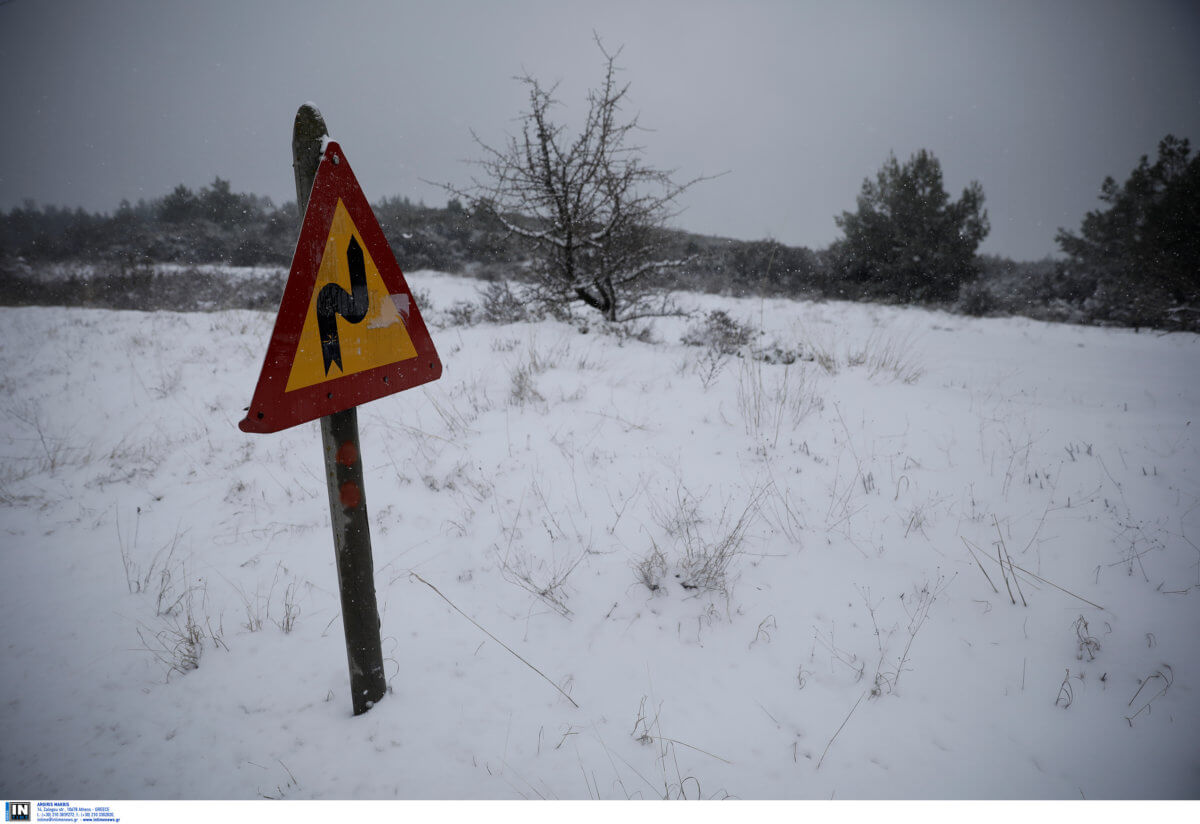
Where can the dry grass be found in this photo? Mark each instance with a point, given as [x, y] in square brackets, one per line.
[772, 400]
[705, 550]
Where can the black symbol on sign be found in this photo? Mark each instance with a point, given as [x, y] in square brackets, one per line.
[333, 300]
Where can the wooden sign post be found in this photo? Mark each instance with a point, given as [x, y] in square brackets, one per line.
[343, 474]
[334, 348]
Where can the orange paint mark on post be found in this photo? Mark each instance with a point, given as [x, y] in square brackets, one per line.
[350, 495]
[347, 453]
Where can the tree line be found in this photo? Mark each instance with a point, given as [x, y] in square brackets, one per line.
[216, 225]
[581, 219]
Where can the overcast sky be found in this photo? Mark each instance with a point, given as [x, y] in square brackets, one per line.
[796, 101]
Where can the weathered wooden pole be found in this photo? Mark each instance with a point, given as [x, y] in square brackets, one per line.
[343, 473]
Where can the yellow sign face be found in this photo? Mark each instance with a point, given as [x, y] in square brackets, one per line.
[353, 324]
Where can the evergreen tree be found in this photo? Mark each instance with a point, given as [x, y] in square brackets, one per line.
[1147, 240]
[180, 206]
[908, 239]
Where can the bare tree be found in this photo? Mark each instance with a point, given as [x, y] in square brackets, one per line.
[588, 208]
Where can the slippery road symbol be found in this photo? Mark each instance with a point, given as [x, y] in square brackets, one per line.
[333, 301]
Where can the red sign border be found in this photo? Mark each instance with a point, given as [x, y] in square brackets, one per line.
[272, 407]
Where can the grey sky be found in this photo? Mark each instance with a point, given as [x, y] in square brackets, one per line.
[797, 101]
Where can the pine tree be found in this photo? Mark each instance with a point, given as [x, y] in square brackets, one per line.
[907, 239]
[1143, 250]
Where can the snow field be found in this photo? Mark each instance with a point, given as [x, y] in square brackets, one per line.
[755, 580]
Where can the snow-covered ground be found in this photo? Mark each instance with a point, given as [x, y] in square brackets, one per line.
[755, 580]
[52, 271]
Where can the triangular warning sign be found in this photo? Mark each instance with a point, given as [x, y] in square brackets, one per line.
[348, 330]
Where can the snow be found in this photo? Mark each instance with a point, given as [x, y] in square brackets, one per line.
[56, 272]
[850, 645]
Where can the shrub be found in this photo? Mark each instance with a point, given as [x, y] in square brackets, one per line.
[500, 304]
[975, 298]
[719, 332]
